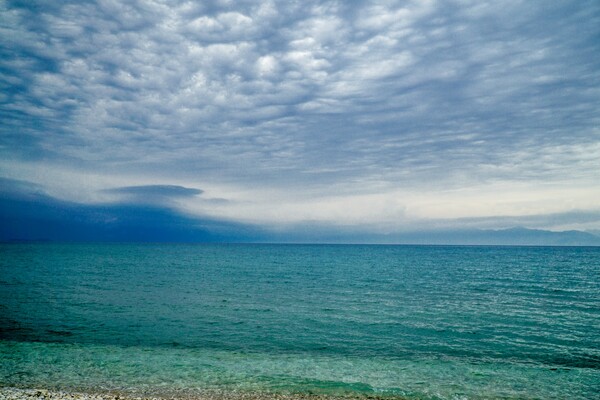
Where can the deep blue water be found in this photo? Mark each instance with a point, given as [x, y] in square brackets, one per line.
[426, 322]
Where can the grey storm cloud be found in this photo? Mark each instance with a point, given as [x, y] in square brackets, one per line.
[312, 96]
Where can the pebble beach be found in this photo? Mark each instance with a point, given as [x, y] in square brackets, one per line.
[11, 393]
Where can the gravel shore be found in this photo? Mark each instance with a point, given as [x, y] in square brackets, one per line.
[10, 393]
[43, 394]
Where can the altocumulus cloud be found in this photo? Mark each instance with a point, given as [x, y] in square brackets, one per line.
[381, 115]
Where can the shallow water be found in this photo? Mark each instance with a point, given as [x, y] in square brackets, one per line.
[427, 322]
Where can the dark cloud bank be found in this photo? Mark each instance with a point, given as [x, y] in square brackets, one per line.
[27, 214]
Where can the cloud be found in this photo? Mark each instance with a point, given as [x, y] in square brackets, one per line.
[26, 213]
[155, 191]
[164, 195]
[15, 187]
[575, 219]
[281, 107]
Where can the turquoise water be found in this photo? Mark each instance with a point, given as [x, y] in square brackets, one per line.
[424, 322]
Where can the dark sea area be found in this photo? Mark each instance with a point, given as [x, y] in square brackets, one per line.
[417, 322]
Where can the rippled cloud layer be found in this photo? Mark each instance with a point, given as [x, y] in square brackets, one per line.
[385, 115]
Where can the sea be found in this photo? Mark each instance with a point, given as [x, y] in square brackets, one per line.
[410, 322]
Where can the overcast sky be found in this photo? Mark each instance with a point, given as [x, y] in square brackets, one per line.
[382, 116]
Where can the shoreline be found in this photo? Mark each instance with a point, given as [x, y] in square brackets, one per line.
[17, 393]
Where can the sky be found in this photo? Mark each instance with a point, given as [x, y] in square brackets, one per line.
[341, 117]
